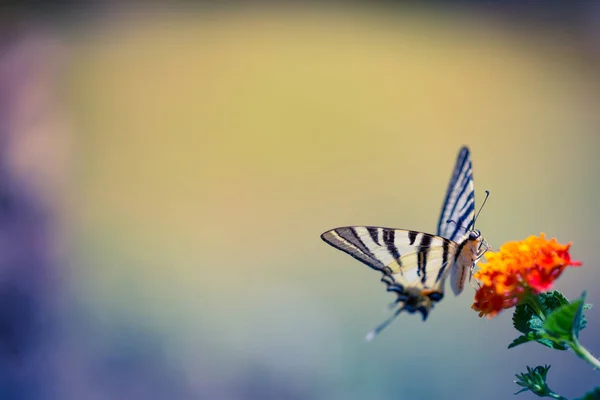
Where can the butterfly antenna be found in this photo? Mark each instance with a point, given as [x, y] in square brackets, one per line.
[487, 194]
[456, 223]
[371, 335]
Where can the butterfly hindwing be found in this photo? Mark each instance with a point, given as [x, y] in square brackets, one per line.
[425, 269]
[458, 211]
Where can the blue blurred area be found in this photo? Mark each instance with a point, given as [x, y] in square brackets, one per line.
[28, 278]
[49, 348]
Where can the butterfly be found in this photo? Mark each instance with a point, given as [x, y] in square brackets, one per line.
[415, 265]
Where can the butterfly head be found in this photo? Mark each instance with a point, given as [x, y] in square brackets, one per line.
[478, 242]
[475, 234]
[475, 244]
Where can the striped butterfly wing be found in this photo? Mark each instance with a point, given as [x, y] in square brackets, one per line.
[414, 264]
[458, 211]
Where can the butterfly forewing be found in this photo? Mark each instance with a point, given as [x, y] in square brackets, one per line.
[458, 210]
[410, 257]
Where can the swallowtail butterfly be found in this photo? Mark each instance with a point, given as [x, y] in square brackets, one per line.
[414, 264]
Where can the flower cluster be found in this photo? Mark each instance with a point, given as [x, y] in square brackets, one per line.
[517, 270]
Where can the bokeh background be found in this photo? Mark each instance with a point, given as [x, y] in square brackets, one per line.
[165, 174]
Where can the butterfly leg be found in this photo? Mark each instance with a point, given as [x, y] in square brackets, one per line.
[392, 305]
[471, 278]
[371, 335]
[471, 281]
[478, 257]
[480, 253]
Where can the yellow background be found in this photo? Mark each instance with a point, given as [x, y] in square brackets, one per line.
[212, 149]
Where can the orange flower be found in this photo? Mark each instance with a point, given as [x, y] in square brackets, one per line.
[517, 270]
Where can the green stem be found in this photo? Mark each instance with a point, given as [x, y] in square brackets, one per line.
[534, 302]
[556, 396]
[584, 354]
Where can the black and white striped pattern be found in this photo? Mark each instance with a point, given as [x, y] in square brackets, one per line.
[415, 265]
[458, 211]
[408, 257]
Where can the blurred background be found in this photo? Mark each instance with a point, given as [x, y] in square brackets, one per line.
[166, 171]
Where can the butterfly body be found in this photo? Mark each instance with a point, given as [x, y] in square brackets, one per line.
[471, 248]
[415, 265]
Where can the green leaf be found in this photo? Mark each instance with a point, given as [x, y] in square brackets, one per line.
[526, 321]
[539, 337]
[592, 395]
[521, 339]
[564, 323]
[552, 344]
[535, 381]
[552, 300]
[583, 318]
[522, 318]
